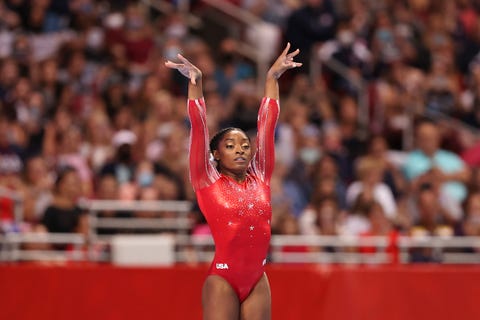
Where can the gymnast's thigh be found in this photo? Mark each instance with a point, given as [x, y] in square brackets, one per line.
[258, 305]
[219, 300]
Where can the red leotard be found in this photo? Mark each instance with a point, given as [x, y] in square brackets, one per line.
[238, 213]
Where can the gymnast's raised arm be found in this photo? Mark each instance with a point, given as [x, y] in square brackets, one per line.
[268, 113]
[202, 172]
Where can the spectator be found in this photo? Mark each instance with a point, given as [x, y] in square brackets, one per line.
[442, 89]
[381, 226]
[433, 220]
[431, 164]
[470, 226]
[69, 154]
[370, 175]
[356, 222]
[392, 176]
[38, 181]
[300, 179]
[327, 181]
[64, 215]
[231, 70]
[11, 163]
[321, 217]
[97, 148]
[314, 22]
[123, 164]
[352, 52]
[107, 188]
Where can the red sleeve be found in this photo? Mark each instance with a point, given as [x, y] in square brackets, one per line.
[202, 172]
[264, 161]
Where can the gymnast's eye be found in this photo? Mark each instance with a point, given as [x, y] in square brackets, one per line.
[245, 146]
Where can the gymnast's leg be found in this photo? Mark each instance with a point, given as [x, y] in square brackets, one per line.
[219, 300]
[258, 305]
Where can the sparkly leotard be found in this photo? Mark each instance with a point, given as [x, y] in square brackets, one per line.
[238, 213]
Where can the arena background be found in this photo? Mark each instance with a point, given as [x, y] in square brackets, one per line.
[92, 120]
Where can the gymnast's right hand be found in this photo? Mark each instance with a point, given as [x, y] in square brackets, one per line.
[186, 68]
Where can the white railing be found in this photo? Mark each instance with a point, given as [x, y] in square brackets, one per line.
[345, 249]
[180, 209]
[284, 249]
[16, 247]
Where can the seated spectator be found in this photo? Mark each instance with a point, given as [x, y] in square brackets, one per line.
[314, 21]
[38, 188]
[108, 189]
[441, 87]
[64, 215]
[381, 226]
[353, 53]
[327, 181]
[69, 153]
[320, 217]
[97, 147]
[231, 69]
[287, 224]
[470, 226]
[433, 220]
[300, 179]
[430, 164]
[122, 166]
[370, 175]
[356, 222]
[392, 176]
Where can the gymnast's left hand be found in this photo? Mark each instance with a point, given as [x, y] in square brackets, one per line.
[284, 62]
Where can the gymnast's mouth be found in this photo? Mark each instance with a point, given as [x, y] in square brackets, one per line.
[240, 159]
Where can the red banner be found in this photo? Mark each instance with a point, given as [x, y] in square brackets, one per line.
[298, 292]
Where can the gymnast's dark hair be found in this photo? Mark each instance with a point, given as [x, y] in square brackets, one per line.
[219, 136]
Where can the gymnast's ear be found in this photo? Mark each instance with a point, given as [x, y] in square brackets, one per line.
[216, 155]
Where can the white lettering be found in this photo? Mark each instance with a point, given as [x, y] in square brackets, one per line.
[222, 266]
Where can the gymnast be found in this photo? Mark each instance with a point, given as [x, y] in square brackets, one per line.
[233, 192]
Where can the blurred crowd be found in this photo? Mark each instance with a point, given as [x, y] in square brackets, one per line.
[89, 111]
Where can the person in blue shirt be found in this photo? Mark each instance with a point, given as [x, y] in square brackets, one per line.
[431, 164]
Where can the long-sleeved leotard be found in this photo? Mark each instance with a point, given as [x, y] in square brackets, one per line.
[238, 214]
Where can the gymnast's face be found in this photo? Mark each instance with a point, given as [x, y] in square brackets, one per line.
[233, 153]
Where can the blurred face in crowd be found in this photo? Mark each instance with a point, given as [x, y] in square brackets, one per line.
[377, 218]
[348, 110]
[9, 72]
[108, 188]
[327, 213]
[36, 170]
[327, 168]
[378, 146]
[50, 71]
[428, 206]
[428, 138]
[69, 185]
[369, 171]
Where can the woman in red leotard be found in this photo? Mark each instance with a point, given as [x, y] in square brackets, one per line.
[234, 195]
